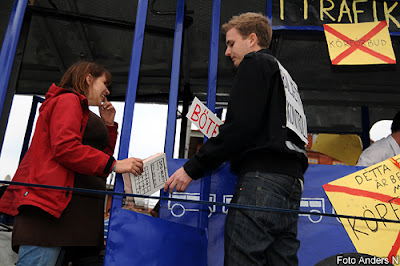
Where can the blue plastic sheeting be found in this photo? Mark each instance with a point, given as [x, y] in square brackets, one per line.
[221, 190]
[320, 237]
[138, 239]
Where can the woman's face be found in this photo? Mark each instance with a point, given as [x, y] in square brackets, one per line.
[97, 90]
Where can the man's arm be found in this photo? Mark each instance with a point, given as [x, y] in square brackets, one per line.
[372, 155]
[245, 111]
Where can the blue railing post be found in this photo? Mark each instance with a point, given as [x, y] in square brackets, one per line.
[28, 133]
[211, 98]
[174, 86]
[9, 47]
[365, 138]
[130, 99]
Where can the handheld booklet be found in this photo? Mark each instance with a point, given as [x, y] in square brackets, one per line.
[154, 176]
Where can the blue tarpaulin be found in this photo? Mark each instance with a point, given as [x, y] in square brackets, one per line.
[138, 239]
[175, 239]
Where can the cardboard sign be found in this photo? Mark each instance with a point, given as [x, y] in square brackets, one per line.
[372, 192]
[346, 148]
[359, 44]
[204, 119]
[295, 117]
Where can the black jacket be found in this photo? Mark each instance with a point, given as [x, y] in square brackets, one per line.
[254, 136]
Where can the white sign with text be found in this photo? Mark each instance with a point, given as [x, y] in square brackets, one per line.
[295, 117]
[205, 120]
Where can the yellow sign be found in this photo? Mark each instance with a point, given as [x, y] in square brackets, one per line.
[346, 148]
[372, 192]
[359, 43]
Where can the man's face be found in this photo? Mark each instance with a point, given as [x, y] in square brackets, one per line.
[236, 46]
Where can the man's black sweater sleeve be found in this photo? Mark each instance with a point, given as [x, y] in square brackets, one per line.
[246, 109]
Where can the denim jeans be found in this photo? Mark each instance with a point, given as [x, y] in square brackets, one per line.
[38, 256]
[254, 237]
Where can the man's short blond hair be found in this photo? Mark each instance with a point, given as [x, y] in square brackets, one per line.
[249, 23]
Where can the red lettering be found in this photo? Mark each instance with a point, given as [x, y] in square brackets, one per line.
[215, 131]
[196, 113]
[212, 122]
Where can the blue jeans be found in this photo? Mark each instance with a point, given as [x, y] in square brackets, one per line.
[263, 237]
[38, 256]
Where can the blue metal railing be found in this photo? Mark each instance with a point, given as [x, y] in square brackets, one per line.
[130, 99]
[174, 86]
[211, 98]
[9, 47]
[35, 102]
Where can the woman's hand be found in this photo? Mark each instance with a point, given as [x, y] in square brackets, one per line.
[107, 112]
[129, 165]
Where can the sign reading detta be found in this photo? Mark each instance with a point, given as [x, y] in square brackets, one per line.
[305, 14]
[372, 192]
[359, 44]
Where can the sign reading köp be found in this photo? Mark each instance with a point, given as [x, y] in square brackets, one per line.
[204, 119]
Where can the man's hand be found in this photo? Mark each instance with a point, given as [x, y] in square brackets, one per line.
[179, 180]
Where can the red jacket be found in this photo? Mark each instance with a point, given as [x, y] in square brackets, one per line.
[56, 153]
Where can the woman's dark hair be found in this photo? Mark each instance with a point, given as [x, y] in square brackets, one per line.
[396, 123]
[75, 76]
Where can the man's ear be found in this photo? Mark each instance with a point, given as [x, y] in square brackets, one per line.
[253, 39]
[89, 79]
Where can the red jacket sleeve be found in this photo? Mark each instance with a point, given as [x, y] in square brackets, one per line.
[65, 125]
[112, 134]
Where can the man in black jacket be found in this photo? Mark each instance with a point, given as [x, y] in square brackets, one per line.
[264, 138]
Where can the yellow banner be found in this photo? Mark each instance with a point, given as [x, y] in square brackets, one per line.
[359, 43]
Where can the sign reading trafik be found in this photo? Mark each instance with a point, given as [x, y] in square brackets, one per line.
[312, 14]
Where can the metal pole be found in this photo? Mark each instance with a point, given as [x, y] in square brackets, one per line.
[211, 97]
[130, 100]
[28, 133]
[174, 87]
[9, 47]
[365, 127]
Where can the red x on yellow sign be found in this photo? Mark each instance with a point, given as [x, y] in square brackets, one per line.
[359, 44]
[373, 192]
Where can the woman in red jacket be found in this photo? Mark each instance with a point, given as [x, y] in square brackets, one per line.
[71, 147]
